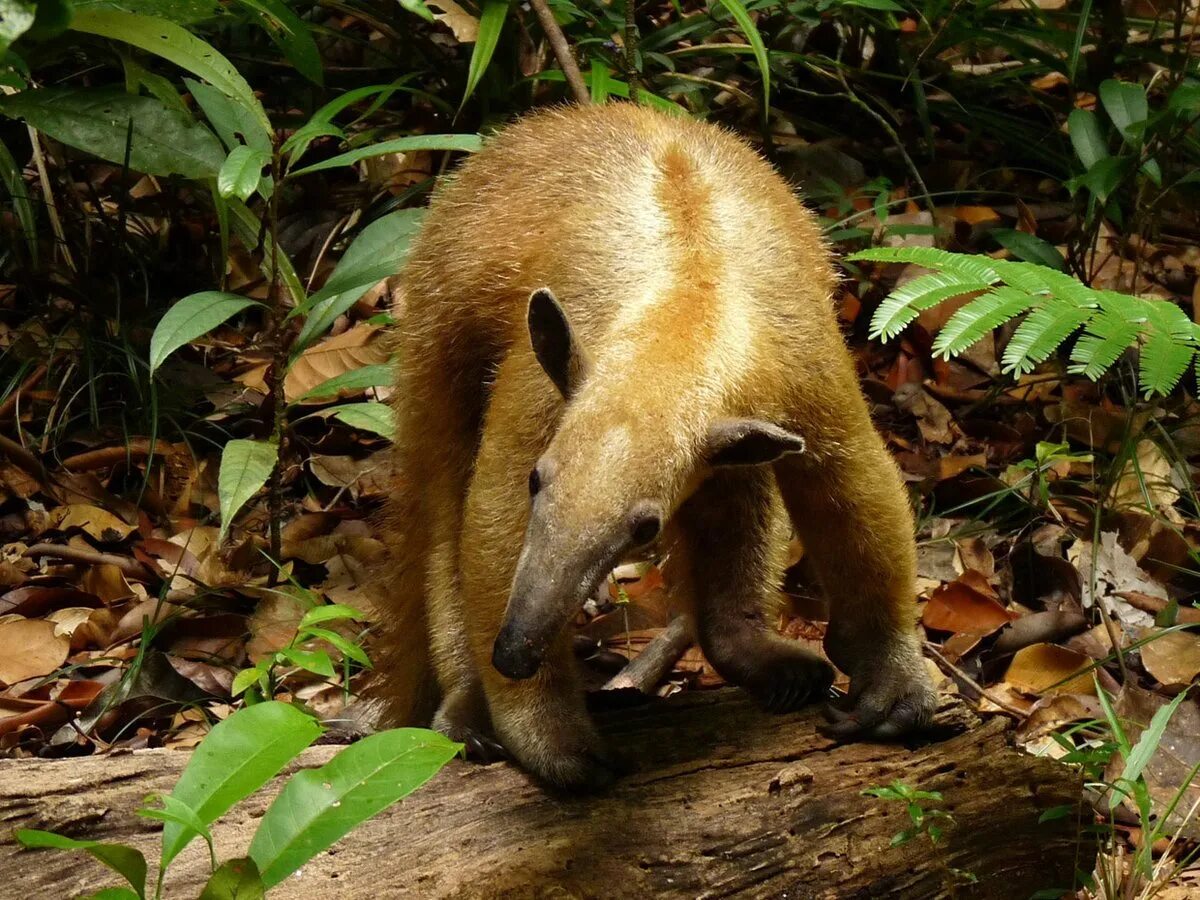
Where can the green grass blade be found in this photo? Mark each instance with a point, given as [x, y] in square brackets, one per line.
[740, 15]
[491, 23]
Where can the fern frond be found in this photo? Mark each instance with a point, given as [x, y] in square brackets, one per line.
[969, 268]
[1041, 333]
[1168, 349]
[925, 291]
[980, 316]
[1060, 305]
[1110, 333]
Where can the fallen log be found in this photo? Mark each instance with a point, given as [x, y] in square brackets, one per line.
[726, 801]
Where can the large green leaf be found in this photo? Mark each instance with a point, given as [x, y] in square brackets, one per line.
[291, 35]
[248, 228]
[176, 44]
[1168, 350]
[105, 121]
[238, 756]
[188, 319]
[245, 467]
[491, 23]
[378, 252]
[1127, 106]
[738, 10]
[979, 317]
[317, 807]
[1041, 333]
[125, 861]
[181, 12]
[1086, 137]
[234, 123]
[462, 143]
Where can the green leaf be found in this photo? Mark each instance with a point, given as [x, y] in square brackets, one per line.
[113, 893]
[1086, 137]
[1126, 105]
[377, 375]
[234, 123]
[176, 811]
[1139, 757]
[291, 35]
[238, 756]
[1110, 333]
[125, 861]
[1029, 247]
[236, 879]
[738, 10]
[247, 677]
[249, 230]
[378, 252]
[245, 467]
[317, 807]
[598, 81]
[418, 7]
[18, 192]
[174, 43]
[374, 417]
[1054, 813]
[491, 23]
[162, 141]
[241, 172]
[315, 661]
[181, 12]
[343, 645]
[329, 612]
[460, 143]
[189, 318]
[16, 18]
[1103, 178]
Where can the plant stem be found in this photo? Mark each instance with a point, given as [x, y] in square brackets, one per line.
[632, 75]
[562, 52]
[278, 370]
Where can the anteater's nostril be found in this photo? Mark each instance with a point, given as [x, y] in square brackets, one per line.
[514, 655]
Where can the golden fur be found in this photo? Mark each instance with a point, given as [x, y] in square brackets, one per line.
[700, 289]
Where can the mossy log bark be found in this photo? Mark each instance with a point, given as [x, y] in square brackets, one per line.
[726, 802]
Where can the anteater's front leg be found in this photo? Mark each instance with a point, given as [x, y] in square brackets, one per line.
[542, 721]
[847, 502]
[735, 528]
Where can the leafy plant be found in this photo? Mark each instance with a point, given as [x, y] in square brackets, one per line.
[1055, 307]
[315, 809]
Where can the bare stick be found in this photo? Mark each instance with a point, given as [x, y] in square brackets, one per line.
[631, 54]
[650, 666]
[562, 52]
[130, 567]
[955, 672]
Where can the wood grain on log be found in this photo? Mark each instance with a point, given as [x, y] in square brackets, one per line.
[726, 801]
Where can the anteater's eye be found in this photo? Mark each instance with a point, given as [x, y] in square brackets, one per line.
[645, 529]
[535, 483]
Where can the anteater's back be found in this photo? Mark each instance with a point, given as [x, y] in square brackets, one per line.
[599, 202]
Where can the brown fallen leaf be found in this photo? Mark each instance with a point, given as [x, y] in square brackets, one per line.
[96, 523]
[1172, 657]
[1050, 669]
[362, 345]
[963, 608]
[30, 648]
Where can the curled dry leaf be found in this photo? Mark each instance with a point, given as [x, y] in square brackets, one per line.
[1050, 669]
[1115, 571]
[1056, 711]
[464, 25]
[30, 648]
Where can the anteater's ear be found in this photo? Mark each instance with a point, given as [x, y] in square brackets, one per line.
[749, 442]
[555, 344]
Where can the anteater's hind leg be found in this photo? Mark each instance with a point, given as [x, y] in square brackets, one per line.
[735, 528]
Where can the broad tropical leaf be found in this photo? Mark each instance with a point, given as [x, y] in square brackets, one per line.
[191, 317]
[245, 467]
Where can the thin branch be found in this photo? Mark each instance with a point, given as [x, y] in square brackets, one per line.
[128, 566]
[562, 52]
[651, 666]
[632, 74]
[955, 672]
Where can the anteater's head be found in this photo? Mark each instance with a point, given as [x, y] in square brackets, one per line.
[629, 449]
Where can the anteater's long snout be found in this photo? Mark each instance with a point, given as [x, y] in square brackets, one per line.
[516, 654]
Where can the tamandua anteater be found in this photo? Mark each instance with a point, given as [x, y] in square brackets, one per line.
[618, 322]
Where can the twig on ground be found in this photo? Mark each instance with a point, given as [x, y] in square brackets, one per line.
[955, 672]
[650, 666]
[130, 567]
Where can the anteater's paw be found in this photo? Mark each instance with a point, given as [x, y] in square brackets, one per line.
[890, 696]
[587, 770]
[787, 676]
